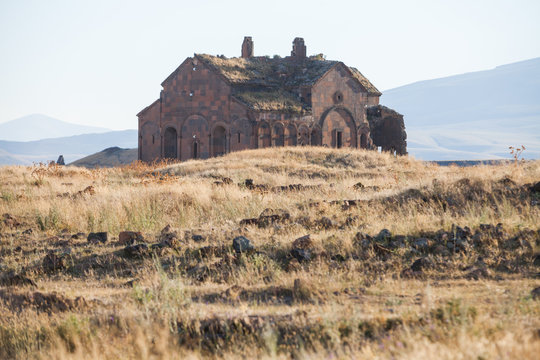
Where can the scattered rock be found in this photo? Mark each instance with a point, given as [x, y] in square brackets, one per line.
[268, 217]
[536, 261]
[78, 236]
[136, 251]
[169, 238]
[302, 255]
[60, 160]
[167, 229]
[303, 242]
[461, 233]
[89, 190]
[198, 238]
[338, 258]
[53, 262]
[132, 282]
[223, 181]
[535, 293]
[363, 239]
[12, 279]
[293, 265]
[421, 244]
[302, 249]
[233, 293]
[130, 237]
[476, 273]
[421, 264]
[383, 235]
[441, 250]
[325, 223]
[10, 221]
[248, 183]
[358, 186]
[199, 272]
[43, 302]
[242, 244]
[28, 232]
[351, 221]
[294, 187]
[98, 237]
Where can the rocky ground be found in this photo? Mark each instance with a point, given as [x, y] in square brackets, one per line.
[271, 253]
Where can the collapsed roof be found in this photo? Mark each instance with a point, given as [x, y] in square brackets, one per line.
[272, 84]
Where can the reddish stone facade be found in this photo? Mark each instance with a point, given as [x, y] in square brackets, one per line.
[212, 105]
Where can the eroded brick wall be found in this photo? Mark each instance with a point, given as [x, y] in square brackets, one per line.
[338, 104]
[387, 129]
[198, 104]
[149, 133]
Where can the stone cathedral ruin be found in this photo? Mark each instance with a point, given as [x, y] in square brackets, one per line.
[212, 105]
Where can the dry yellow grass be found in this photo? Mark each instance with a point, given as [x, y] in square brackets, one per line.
[356, 296]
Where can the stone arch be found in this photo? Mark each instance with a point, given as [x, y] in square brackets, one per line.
[303, 135]
[338, 128]
[264, 137]
[363, 140]
[170, 143]
[316, 137]
[219, 140]
[195, 140]
[278, 134]
[291, 136]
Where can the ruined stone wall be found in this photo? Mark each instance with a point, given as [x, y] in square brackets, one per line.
[338, 104]
[197, 104]
[387, 129]
[282, 129]
[149, 133]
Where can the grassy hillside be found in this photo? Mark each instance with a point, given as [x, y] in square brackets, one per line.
[110, 157]
[403, 259]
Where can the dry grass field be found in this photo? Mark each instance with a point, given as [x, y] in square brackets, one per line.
[329, 254]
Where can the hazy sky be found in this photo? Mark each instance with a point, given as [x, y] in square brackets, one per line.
[100, 62]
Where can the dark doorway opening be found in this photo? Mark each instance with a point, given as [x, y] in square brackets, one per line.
[195, 150]
[339, 139]
[170, 144]
[219, 141]
[363, 141]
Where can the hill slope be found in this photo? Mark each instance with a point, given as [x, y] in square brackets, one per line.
[322, 252]
[37, 126]
[472, 116]
[73, 147]
[110, 157]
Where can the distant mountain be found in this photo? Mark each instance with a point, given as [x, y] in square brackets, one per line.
[472, 116]
[37, 127]
[110, 157]
[73, 147]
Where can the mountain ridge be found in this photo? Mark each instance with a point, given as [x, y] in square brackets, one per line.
[35, 127]
[72, 147]
[475, 115]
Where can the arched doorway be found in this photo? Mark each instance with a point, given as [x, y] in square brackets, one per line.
[363, 141]
[337, 131]
[219, 141]
[291, 136]
[263, 135]
[170, 144]
[278, 135]
[303, 136]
